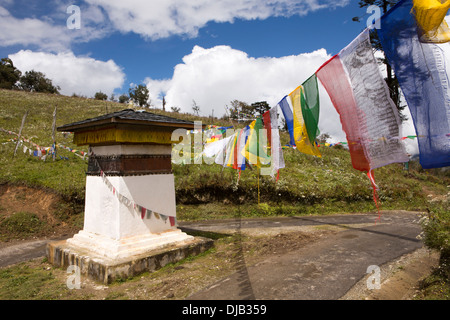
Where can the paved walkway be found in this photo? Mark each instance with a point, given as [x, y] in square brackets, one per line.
[27, 250]
[325, 269]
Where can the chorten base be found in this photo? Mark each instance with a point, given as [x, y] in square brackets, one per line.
[108, 261]
[103, 246]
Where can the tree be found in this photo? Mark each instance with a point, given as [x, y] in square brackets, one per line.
[124, 98]
[260, 107]
[323, 138]
[9, 75]
[195, 108]
[100, 96]
[140, 95]
[240, 109]
[35, 81]
[391, 79]
[164, 102]
[175, 109]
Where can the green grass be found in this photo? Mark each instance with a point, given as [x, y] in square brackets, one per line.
[29, 283]
[67, 177]
[436, 235]
[435, 287]
[20, 225]
[308, 185]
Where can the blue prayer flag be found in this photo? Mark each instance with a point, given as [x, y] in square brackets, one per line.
[421, 70]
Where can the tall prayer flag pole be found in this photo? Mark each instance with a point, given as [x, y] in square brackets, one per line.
[54, 133]
[20, 133]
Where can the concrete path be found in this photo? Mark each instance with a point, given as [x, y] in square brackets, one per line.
[21, 252]
[322, 270]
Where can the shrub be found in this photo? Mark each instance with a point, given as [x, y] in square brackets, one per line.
[436, 231]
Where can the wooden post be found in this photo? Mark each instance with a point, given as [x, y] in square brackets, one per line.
[54, 134]
[20, 133]
[259, 169]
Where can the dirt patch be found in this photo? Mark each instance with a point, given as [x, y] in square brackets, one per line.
[400, 279]
[14, 199]
[45, 207]
[432, 196]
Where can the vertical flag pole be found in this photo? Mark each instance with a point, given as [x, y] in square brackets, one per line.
[54, 133]
[258, 186]
[20, 133]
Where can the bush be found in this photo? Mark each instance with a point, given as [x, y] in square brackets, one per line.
[436, 231]
[100, 96]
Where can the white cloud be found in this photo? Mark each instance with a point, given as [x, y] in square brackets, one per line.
[80, 75]
[50, 33]
[152, 19]
[159, 19]
[31, 31]
[214, 77]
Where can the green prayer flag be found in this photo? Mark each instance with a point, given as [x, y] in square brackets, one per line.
[311, 107]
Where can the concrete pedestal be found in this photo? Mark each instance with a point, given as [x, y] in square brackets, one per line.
[106, 270]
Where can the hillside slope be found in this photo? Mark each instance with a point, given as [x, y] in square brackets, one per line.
[307, 184]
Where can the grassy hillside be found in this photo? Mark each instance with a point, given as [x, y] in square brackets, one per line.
[66, 177]
[307, 184]
[49, 195]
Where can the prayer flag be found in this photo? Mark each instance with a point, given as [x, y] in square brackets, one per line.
[254, 148]
[268, 125]
[311, 107]
[302, 140]
[361, 97]
[276, 151]
[172, 221]
[430, 16]
[422, 70]
[288, 117]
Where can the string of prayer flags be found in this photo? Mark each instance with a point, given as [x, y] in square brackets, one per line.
[361, 97]
[40, 151]
[214, 133]
[430, 17]
[422, 71]
[143, 212]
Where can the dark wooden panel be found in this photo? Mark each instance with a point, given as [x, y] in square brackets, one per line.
[126, 165]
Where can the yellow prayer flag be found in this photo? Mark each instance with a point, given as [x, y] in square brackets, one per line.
[430, 15]
[302, 140]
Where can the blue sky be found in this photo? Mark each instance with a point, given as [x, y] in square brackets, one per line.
[207, 52]
[140, 57]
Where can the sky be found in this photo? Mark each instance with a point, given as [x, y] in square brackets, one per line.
[207, 52]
